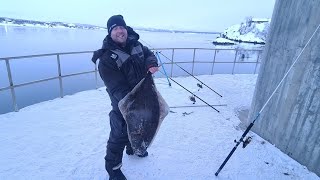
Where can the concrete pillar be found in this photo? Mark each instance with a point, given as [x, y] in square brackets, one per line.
[291, 120]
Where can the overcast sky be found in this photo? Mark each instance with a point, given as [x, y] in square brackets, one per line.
[201, 15]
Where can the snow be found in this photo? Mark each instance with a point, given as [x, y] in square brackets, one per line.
[260, 27]
[31, 25]
[65, 138]
[234, 33]
[247, 34]
[261, 19]
[223, 40]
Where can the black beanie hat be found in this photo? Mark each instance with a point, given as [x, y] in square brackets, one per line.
[116, 20]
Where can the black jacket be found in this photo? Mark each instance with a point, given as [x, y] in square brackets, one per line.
[122, 68]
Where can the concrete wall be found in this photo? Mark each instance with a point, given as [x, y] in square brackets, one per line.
[291, 121]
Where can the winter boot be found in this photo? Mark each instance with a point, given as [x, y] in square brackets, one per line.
[118, 175]
[129, 150]
[144, 155]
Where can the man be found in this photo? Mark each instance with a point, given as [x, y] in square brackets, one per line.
[124, 61]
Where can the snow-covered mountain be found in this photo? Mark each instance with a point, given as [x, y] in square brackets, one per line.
[253, 31]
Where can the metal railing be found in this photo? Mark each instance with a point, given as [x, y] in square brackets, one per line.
[213, 62]
[171, 62]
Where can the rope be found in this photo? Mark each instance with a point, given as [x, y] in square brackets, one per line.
[295, 61]
[265, 104]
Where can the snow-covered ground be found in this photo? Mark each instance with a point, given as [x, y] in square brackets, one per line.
[66, 138]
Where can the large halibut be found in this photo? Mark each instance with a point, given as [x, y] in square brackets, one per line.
[143, 110]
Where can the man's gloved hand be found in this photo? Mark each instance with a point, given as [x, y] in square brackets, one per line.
[153, 69]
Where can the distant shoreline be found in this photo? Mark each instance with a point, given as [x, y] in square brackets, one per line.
[4, 21]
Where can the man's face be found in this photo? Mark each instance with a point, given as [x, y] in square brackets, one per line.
[119, 35]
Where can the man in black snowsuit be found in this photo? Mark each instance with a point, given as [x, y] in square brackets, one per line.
[124, 61]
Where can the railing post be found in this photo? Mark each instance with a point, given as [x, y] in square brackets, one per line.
[172, 61]
[214, 60]
[234, 62]
[194, 55]
[96, 74]
[255, 69]
[59, 73]
[13, 93]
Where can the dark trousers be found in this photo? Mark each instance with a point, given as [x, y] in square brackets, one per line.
[118, 139]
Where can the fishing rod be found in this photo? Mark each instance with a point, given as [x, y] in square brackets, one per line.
[182, 69]
[197, 106]
[193, 94]
[164, 70]
[190, 74]
[247, 141]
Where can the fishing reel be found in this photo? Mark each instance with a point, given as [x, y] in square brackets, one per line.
[245, 142]
[199, 85]
[193, 99]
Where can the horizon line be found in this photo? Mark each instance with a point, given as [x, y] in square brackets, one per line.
[98, 26]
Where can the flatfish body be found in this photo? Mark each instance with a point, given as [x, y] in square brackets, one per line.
[143, 110]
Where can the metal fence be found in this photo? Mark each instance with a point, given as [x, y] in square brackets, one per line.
[170, 61]
[238, 54]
